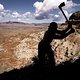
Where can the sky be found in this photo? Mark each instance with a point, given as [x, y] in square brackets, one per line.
[36, 11]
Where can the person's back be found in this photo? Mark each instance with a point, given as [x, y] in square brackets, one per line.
[50, 33]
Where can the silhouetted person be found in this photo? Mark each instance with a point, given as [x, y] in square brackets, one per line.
[44, 47]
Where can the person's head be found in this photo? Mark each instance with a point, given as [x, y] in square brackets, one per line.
[53, 26]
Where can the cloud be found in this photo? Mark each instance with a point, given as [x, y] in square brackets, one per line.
[27, 15]
[15, 14]
[70, 4]
[42, 9]
[45, 8]
[1, 7]
[60, 18]
[8, 15]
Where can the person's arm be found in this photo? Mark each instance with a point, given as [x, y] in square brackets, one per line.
[68, 27]
[64, 31]
[64, 35]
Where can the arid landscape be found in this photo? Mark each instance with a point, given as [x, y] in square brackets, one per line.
[19, 45]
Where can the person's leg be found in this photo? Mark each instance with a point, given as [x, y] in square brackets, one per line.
[41, 53]
[50, 54]
[41, 56]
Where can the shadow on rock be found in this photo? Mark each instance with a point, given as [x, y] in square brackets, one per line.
[43, 72]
